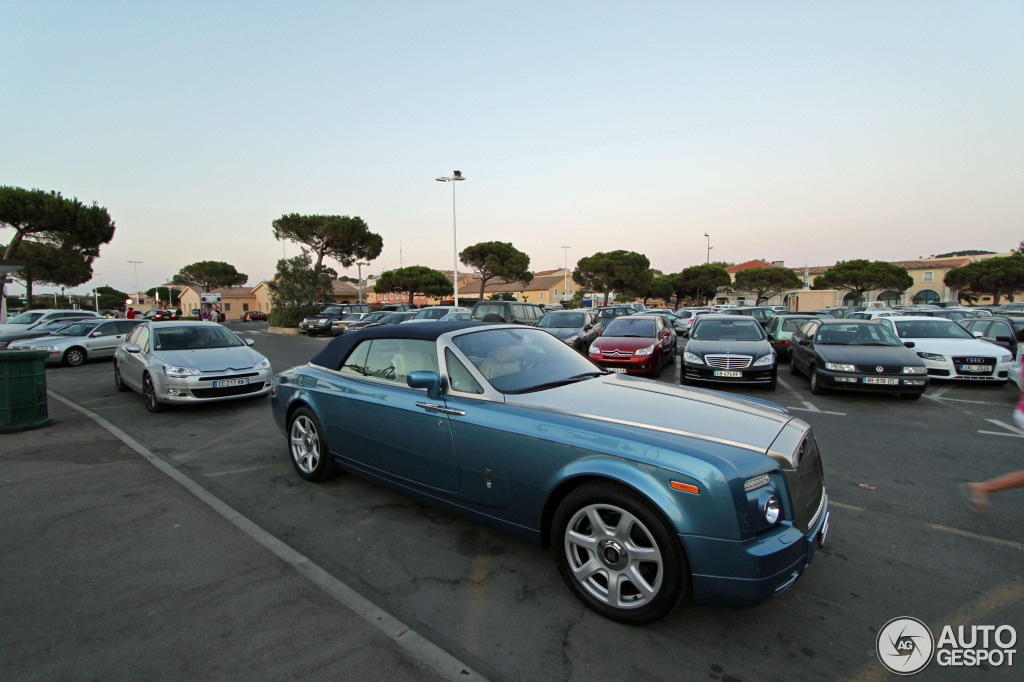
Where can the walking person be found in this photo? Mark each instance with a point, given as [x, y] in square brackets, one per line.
[214, 315]
[977, 494]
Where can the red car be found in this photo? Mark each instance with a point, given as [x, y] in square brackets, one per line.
[254, 315]
[635, 344]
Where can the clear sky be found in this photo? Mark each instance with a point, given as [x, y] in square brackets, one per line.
[801, 131]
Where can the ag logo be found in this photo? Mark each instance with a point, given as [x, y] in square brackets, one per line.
[905, 645]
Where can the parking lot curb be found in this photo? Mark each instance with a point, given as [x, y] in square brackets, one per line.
[446, 665]
[289, 331]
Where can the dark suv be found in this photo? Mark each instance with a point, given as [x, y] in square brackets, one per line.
[507, 311]
[321, 322]
[759, 313]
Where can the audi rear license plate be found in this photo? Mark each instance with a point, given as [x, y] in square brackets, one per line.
[728, 373]
[974, 368]
[881, 380]
[224, 383]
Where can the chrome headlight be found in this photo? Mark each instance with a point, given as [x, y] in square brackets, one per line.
[915, 370]
[594, 350]
[572, 339]
[1005, 358]
[262, 364]
[181, 372]
[764, 361]
[934, 357]
[695, 359]
[645, 351]
[51, 349]
[772, 510]
[840, 367]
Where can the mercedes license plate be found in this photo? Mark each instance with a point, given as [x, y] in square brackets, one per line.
[617, 370]
[882, 381]
[974, 368]
[728, 373]
[224, 383]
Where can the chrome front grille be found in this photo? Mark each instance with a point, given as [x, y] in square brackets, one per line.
[728, 361]
[885, 369]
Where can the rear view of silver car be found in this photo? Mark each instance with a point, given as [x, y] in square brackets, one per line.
[189, 362]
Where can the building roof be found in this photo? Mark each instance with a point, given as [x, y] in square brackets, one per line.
[750, 265]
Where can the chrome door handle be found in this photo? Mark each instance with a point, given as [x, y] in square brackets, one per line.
[432, 407]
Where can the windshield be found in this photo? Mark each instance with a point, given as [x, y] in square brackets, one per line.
[77, 329]
[194, 338]
[561, 321]
[740, 329]
[431, 314]
[625, 326]
[332, 310]
[935, 328]
[25, 318]
[791, 324]
[523, 360]
[374, 317]
[856, 335]
[352, 316]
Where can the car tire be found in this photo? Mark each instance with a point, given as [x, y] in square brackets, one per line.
[307, 446]
[792, 365]
[816, 387]
[641, 572]
[73, 357]
[119, 384]
[773, 384]
[149, 398]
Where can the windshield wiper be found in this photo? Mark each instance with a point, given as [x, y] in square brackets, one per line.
[560, 382]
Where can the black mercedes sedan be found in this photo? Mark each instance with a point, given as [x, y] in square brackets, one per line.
[856, 355]
[730, 349]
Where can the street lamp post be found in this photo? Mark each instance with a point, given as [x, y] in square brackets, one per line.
[455, 177]
[565, 272]
[136, 263]
[360, 264]
[709, 247]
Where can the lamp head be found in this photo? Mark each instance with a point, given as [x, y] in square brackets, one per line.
[457, 174]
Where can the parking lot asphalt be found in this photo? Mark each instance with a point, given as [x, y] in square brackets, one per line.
[115, 566]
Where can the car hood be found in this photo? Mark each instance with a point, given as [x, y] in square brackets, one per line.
[563, 332]
[958, 347]
[667, 409]
[626, 343]
[753, 348]
[211, 359]
[48, 340]
[869, 355]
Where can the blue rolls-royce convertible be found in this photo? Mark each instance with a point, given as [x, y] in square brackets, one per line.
[646, 491]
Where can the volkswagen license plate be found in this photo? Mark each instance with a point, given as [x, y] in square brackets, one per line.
[882, 381]
[974, 368]
[224, 383]
[728, 373]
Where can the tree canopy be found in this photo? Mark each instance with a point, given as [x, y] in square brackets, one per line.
[296, 283]
[414, 279]
[344, 238]
[861, 275]
[700, 282]
[996, 276]
[500, 260]
[624, 272]
[767, 282]
[210, 274]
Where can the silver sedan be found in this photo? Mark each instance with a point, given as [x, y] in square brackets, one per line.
[189, 362]
[77, 342]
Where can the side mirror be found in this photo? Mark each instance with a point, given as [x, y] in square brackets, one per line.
[425, 379]
[249, 342]
[133, 348]
[95, 334]
[1003, 339]
[908, 344]
[804, 342]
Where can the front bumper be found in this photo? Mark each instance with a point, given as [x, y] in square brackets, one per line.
[882, 383]
[204, 390]
[631, 364]
[740, 574]
[747, 375]
[952, 369]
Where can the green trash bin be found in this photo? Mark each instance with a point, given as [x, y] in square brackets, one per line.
[23, 390]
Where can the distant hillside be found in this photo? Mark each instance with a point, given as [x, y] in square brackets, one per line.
[970, 252]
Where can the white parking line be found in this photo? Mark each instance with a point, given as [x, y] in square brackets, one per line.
[808, 407]
[937, 393]
[1014, 432]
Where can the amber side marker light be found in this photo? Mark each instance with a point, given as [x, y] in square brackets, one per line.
[685, 487]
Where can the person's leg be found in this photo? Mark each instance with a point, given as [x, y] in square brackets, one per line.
[977, 493]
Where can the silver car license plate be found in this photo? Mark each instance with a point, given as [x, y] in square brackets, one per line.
[224, 383]
[881, 380]
[728, 373]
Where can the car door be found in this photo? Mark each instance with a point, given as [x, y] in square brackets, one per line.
[133, 365]
[800, 352]
[104, 340]
[997, 332]
[388, 427]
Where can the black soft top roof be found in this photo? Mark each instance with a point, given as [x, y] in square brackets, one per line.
[337, 350]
